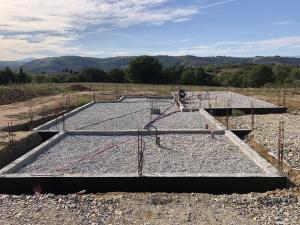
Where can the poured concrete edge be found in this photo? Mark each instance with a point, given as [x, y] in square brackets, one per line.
[254, 156]
[21, 161]
[219, 125]
[237, 175]
[150, 97]
[213, 185]
[46, 126]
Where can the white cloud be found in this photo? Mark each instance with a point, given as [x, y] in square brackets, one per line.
[45, 24]
[238, 48]
[217, 4]
[283, 23]
[181, 41]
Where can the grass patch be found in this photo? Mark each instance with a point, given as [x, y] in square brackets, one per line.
[237, 112]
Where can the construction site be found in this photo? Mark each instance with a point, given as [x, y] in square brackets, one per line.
[115, 156]
[168, 143]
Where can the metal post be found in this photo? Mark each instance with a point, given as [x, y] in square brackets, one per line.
[10, 132]
[280, 145]
[31, 118]
[252, 116]
[227, 116]
[141, 147]
[63, 121]
[284, 97]
[278, 97]
[94, 96]
[212, 133]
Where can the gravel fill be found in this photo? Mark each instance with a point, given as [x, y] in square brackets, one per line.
[110, 116]
[180, 154]
[277, 207]
[266, 133]
[220, 99]
[131, 116]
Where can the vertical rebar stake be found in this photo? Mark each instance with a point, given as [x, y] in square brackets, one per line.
[63, 121]
[284, 97]
[227, 116]
[252, 116]
[280, 145]
[278, 97]
[141, 147]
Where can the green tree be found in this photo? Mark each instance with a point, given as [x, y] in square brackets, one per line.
[295, 73]
[22, 77]
[117, 76]
[93, 75]
[7, 76]
[281, 72]
[144, 69]
[172, 75]
[39, 79]
[260, 75]
[196, 76]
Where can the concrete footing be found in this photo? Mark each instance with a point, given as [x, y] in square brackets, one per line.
[205, 184]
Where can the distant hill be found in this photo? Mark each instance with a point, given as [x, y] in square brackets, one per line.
[76, 63]
[10, 64]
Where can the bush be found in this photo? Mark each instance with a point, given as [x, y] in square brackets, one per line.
[237, 112]
[78, 87]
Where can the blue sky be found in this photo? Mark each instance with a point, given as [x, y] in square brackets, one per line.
[105, 28]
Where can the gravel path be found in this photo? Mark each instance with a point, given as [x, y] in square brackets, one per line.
[180, 154]
[266, 133]
[152, 208]
[220, 99]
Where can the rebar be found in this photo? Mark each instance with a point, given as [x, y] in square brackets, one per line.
[10, 132]
[30, 114]
[280, 144]
[141, 148]
[227, 116]
[278, 97]
[63, 121]
[284, 98]
[252, 116]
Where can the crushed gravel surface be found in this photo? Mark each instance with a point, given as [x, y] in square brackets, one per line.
[266, 133]
[220, 99]
[180, 154]
[131, 116]
[277, 207]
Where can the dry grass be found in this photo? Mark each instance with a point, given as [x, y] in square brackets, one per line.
[289, 98]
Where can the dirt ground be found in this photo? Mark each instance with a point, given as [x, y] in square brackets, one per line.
[276, 207]
[19, 112]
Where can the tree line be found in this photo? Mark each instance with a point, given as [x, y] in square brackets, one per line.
[147, 69]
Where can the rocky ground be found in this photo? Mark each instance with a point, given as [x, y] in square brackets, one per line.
[277, 207]
[266, 133]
